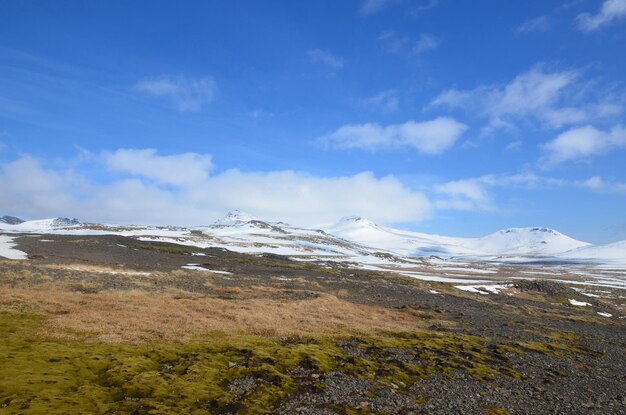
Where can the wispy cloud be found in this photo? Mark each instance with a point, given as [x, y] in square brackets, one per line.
[537, 24]
[426, 42]
[403, 44]
[599, 184]
[582, 143]
[513, 146]
[553, 98]
[369, 7]
[187, 94]
[476, 193]
[386, 101]
[479, 193]
[326, 58]
[427, 137]
[417, 10]
[610, 11]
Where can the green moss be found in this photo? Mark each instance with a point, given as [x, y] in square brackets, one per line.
[42, 376]
[429, 353]
[58, 377]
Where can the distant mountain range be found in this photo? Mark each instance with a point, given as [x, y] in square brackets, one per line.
[352, 238]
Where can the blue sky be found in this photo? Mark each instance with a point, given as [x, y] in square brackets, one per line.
[456, 118]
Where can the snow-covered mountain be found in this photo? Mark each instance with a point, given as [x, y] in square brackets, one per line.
[352, 239]
[244, 232]
[524, 241]
[514, 241]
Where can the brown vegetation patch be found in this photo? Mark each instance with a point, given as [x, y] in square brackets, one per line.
[181, 316]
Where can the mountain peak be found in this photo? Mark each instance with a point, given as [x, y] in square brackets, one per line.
[356, 219]
[11, 220]
[236, 217]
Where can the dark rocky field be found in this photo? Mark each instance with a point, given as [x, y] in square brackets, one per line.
[108, 324]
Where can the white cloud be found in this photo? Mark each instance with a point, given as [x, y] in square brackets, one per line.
[599, 184]
[179, 169]
[188, 94]
[427, 137]
[387, 101]
[581, 143]
[326, 58]
[470, 194]
[553, 98]
[26, 189]
[610, 11]
[426, 42]
[30, 189]
[537, 24]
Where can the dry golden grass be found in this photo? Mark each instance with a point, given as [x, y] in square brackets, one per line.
[139, 316]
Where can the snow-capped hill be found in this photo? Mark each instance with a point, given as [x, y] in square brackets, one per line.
[614, 253]
[11, 220]
[514, 241]
[41, 225]
[368, 233]
[524, 241]
[236, 217]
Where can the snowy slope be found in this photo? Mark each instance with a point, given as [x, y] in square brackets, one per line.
[40, 225]
[514, 241]
[611, 253]
[406, 243]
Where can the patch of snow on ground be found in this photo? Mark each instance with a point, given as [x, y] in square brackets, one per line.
[578, 303]
[603, 314]
[196, 267]
[483, 289]
[439, 279]
[7, 249]
[584, 293]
